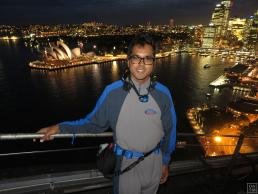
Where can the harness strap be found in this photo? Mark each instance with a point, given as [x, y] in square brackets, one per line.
[129, 154]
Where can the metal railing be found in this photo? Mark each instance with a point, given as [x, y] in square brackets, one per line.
[180, 143]
[86, 180]
[18, 136]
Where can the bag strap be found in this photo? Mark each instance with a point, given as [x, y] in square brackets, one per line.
[119, 172]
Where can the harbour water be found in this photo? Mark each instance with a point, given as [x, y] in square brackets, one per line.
[31, 99]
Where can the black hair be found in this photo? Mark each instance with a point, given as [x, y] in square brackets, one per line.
[141, 39]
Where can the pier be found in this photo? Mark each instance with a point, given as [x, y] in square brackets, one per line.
[220, 81]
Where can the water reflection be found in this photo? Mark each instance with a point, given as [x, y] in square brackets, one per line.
[96, 75]
[114, 70]
[70, 93]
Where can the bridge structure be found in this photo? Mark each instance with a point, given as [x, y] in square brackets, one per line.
[236, 173]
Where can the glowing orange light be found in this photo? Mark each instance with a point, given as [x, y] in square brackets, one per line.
[217, 139]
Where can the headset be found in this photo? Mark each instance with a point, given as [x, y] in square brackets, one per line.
[128, 84]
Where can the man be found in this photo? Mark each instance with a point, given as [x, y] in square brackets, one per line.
[141, 114]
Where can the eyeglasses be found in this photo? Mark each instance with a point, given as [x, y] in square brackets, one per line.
[148, 60]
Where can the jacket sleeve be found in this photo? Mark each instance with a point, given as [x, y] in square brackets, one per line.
[95, 122]
[168, 143]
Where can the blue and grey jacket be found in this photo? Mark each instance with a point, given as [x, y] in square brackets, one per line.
[133, 123]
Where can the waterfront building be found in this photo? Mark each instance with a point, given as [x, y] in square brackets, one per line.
[61, 51]
[252, 37]
[247, 106]
[250, 79]
[198, 35]
[236, 26]
[209, 36]
[220, 17]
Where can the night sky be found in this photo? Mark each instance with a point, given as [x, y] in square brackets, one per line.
[121, 12]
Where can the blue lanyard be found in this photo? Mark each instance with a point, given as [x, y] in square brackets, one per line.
[142, 98]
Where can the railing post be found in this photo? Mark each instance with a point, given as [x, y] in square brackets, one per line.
[234, 158]
[239, 145]
[236, 153]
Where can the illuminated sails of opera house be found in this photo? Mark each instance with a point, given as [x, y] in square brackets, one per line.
[61, 51]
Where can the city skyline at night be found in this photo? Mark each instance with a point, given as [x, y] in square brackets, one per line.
[14, 12]
[60, 58]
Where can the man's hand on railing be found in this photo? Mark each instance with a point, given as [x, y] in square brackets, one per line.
[48, 132]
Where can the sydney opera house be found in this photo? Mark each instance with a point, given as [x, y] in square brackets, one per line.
[61, 51]
[60, 56]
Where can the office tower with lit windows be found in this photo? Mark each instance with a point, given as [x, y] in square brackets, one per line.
[237, 27]
[198, 35]
[209, 36]
[252, 33]
[220, 17]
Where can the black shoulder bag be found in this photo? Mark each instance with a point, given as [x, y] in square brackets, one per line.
[106, 161]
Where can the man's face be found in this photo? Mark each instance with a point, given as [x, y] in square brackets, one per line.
[140, 63]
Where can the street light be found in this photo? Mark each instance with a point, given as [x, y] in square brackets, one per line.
[217, 139]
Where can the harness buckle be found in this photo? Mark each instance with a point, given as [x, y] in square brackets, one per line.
[131, 154]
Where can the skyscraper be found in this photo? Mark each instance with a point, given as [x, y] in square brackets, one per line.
[209, 36]
[252, 37]
[220, 17]
[237, 27]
